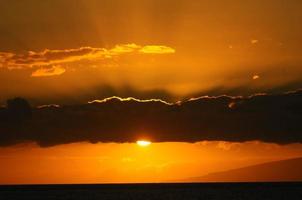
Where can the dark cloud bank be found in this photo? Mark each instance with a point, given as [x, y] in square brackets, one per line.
[268, 118]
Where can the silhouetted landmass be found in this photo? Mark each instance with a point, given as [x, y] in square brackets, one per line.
[285, 170]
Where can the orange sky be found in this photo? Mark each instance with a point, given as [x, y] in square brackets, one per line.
[70, 52]
[93, 49]
[159, 162]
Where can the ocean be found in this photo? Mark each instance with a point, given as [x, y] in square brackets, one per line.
[158, 191]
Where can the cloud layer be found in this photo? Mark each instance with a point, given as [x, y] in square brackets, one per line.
[268, 118]
[46, 62]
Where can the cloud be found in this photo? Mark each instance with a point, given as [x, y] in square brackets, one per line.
[155, 49]
[48, 58]
[54, 70]
[254, 41]
[267, 118]
[127, 48]
[255, 77]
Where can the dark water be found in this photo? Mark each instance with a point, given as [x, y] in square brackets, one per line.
[244, 191]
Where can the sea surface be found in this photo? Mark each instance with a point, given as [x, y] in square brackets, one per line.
[175, 191]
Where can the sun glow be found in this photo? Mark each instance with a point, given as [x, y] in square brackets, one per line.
[143, 143]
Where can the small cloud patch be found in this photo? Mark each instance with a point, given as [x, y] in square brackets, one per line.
[53, 71]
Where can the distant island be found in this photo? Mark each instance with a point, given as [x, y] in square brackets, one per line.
[278, 171]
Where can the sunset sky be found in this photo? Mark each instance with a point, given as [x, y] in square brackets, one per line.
[212, 84]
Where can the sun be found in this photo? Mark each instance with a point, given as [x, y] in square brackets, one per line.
[143, 143]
